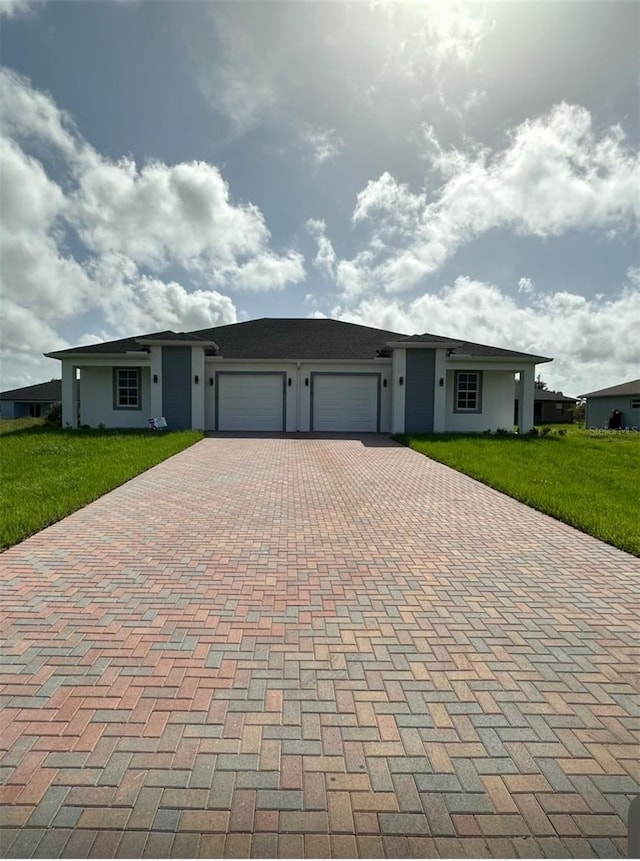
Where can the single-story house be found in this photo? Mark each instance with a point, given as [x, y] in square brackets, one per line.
[301, 375]
[549, 407]
[30, 401]
[625, 398]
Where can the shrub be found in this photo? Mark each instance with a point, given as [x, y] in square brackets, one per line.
[545, 431]
[54, 417]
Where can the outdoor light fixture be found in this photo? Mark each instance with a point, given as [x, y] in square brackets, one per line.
[155, 378]
[210, 381]
[196, 379]
[306, 381]
[441, 381]
[401, 381]
[289, 382]
[384, 383]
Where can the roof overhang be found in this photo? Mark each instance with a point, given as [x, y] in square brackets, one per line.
[423, 345]
[514, 360]
[173, 342]
[64, 354]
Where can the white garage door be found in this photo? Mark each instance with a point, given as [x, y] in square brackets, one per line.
[345, 402]
[250, 402]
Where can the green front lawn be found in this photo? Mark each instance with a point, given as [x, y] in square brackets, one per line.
[46, 473]
[588, 479]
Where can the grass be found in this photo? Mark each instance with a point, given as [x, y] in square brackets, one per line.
[47, 473]
[589, 479]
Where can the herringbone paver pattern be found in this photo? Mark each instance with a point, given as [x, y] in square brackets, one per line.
[296, 646]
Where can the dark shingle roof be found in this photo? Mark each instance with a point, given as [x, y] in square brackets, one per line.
[171, 336]
[291, 338]
[123, 345]
[485, 351]
[45, 392]
[469, 348]
[546, 395]
[299, 338]
[630, 388]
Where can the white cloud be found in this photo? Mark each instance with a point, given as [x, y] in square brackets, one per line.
[95, 239]
[555, 174]
[133, 302]
[158, 214]
[525, 285]
[315, 68]
[33, 271]
[324, 144]
[592, 341]
[23, 336]
[264, 272]
[14, 8]
[33, 116]
[325, 259]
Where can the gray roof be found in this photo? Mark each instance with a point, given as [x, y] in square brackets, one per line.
[43, 392]
[171, 336]
[546, 395]
[630, 388]
[297, 338]
[291, 338]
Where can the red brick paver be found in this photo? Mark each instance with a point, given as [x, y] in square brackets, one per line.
[285, 646]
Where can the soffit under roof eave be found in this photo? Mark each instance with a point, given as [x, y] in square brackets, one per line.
[153, 342]
[141, 354]
[519, 360]
[423, 345]
[381, 360]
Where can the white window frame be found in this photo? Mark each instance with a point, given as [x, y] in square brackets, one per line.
[120, 388]
[468, 392]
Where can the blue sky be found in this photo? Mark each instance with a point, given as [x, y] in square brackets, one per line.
[469, 170]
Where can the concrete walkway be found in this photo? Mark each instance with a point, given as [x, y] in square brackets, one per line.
[308, 647]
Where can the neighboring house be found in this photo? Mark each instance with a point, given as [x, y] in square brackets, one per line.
[550, 407]
[30, 401]
[599, 405]
[297, 375]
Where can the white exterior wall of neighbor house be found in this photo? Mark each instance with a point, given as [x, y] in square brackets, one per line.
[298, 394]
[496, 403]
[96, 399]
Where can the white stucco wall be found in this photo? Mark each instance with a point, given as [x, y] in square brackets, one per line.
[497, 404]
[96, 400]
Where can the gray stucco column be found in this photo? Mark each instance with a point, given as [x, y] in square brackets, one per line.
[525, 400]
[69, 395]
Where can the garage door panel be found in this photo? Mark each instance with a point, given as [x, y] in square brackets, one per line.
[345, 402]
[250, 402]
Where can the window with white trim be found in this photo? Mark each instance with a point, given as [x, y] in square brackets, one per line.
[635, 403]
[126, 389]
[468, 394]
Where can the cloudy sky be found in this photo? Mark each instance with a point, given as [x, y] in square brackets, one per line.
[465, 170]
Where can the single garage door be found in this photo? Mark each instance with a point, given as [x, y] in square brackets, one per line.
[345, 402]
[250, 402]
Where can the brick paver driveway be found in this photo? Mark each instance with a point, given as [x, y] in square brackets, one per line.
[321, 647]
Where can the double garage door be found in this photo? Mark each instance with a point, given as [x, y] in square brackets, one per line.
[258, 401]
